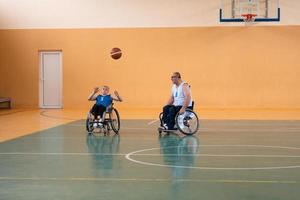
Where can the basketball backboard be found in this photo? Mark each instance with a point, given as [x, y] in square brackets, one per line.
[264, 10]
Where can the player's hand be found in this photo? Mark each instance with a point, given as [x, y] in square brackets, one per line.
[181, 111]
[116, 93]
[96, 89]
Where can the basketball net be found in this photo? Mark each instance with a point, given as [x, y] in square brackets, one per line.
[249, 18]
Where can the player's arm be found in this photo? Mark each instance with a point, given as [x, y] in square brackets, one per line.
[187, 94]
[93, 96]
[170, 100]
[117, 98]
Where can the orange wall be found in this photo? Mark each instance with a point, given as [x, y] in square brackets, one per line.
[226, 66]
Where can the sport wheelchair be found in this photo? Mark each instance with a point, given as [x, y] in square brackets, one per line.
[187, 123]
[110, 120]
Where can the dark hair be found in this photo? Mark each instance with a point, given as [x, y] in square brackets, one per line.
[177, 74]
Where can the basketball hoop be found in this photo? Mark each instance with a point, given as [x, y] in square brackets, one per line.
[249, 18]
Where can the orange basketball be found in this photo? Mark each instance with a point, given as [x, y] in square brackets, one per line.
[116, 53]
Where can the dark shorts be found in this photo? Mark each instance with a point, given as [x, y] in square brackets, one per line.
[98, 110]
[169, 114]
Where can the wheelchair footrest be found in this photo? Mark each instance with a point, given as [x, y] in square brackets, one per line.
[162, 129]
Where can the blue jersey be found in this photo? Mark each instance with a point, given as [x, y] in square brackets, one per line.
[103, 100]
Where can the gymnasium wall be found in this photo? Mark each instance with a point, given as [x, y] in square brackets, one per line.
[15, 14]
[228, 67]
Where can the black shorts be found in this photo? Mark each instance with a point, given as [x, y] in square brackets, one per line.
[98, 110]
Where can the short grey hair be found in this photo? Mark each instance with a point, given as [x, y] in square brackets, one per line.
[177, 74]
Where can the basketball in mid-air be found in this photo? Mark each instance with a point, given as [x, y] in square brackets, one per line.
[116, 53]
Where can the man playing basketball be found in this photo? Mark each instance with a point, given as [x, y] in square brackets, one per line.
[179, 100]
[103, 100]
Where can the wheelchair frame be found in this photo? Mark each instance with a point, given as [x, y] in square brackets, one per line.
[107, 121]
[161, 129]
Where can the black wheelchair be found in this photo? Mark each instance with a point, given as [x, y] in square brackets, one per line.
[187, 123]
[110, 121]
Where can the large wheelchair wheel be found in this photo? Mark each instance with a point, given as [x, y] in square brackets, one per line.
[114, 120]
[160, 118]
[188, 122]
[89, 123]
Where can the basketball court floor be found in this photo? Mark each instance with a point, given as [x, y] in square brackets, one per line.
[226, 159]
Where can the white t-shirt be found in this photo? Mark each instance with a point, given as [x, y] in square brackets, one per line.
[178, 95]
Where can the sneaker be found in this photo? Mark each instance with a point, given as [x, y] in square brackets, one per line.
[100, 124]
[165, 126]
[95, 124]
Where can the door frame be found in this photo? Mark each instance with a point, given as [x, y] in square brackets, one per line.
[41, 78]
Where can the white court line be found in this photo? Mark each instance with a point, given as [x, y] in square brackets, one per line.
[223, 155]
[144, 180]
[43, 113]
[129, 155]
[132, 128]
[250, 129]
[240, 129]
[153, 121]
[84, 137]
[136, 153]
[59, 154]
[209, 129]
[159, 155]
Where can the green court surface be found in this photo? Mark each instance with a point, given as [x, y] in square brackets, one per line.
[232, 160]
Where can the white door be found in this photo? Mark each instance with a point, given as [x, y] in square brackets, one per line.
[50, 79]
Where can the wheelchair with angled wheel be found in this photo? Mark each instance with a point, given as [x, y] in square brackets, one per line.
[187, 123]
[110, 121]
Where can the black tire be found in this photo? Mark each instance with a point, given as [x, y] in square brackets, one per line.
[89, 125]
[160, 118]
[114, 120]
[185, 129]
[159, 130]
